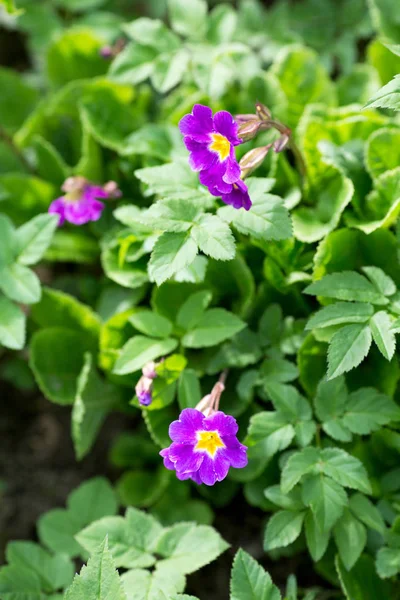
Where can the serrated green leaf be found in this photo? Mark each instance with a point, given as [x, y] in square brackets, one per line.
[140, 584]
[339, 313]
[214, 237]
[12, 325]
[326, 498]
[166, 215]
[34, 238]
[189, 391]
[362, 582]
[348, 348]
[345, 469]
[139, 350]
[366, 410]
[283, 529]
[347, 285]
[214, 326]
[20, 284]
[317, 539]
[151, 324]
[387, 97]
[192, 309]
[388, 562]
[188, 18]
[382, 333]
[366, 512]
[249, 581]
[298, 465]
[378, 160]
[171, 253]
[350, 537]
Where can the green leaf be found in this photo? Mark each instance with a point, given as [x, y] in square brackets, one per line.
[12, 113]
[193, 309]
[189, 391]
[170, 215]
[350, 537]
[80, 5]
[317, 539]
[134, 64]
[171, 253]
[131, 539]
[71, 246]
[366, 410]
[139, 350]
[283, 529]
[169, 70]
[159, 585]
[214, 237]
[17, 582]
[326, 498]
[249, 581]
[348, 348]
[99, 580]
[34, 238]
[9, 245]
[153, 33]
[382, 333]
[347, 285]
[214, 326]
[20, 284]
[142, 488]
[151, 323]
[188, 17]
[186, 547]
[90, 501]
[56, 358]
[94, 400]
[345, 469]
[12, 325]
[366, 512]
[378, 160]
[330, 403]
[74, 55]
[339, 313]
[387, 97]
[362, 582]
[267, 219]
[387, 562]
[382, 282]
[298, 465]
[54, 572]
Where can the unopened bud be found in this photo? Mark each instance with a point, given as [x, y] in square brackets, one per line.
[106, 52]
[244, 118]
[112, 189]
[281, 143]
[149, 370]
[262, 111]
[210, 403]
[248, 131]
[253, 159]
[143, 390]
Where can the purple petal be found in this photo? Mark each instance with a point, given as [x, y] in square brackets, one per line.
[184, 430]
[234, 452]
[238, 196]
[96, 209]
[185, 459]
[200, 157]
[225, 124]
[168, 464]
[144, 397]
[196, 478]
[225, 424]
[232, 173]
[213, 470]
[212, 178]
[57, 207]
[199, 124]
[91, 192]
[83, 211]
[184, 476]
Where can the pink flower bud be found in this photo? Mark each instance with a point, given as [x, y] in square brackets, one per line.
[262, 111]
[253, 159]
[244, 118]
[247, 131]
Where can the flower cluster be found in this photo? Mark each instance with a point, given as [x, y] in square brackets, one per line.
[211, 141]
[204, 443]
[144, 386]
[80, 203]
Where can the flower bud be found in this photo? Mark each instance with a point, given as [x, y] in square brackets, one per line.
[262, 111]
[253, 159]
[244, 118]
[143, 390]
[112, 189]
[248, 130]
[149, 370]
[74, 184]
[106, 52]
[281, 143]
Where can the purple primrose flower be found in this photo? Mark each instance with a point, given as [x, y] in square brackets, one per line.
[211, 141]
[80, 202]
[204, 448]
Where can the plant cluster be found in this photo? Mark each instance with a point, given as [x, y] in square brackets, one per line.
[199, 229]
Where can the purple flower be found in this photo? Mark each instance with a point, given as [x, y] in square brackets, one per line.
[80, 203]
[238, 196]
[204, 448]
[144, 391]
[211, 141]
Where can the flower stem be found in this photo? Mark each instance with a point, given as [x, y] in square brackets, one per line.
[223, 376]
[8, 140]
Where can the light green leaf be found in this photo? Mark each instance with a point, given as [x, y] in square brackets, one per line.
[377, 159]
[34, 238]
[366, 410]
[366, 512]
[151, 323]
[283, 528]
[362, 582]
[8, 241]
[317, 539]
[99, 580]
[350, 537]
[249, 581]
[347, 285]
[345, 469]
[298, 465]
[387, 97]
[214, 237]
[189, 391]
[188, 17]
[330, 403]
[20, 284]
[140, 584]
[166, 215]
[131, 539]
[186, 547]
[153, 33]
[169, 70]
[382, 333]
[214, 326]
[139, 350]
[348, 348]
[326, 498]
[387, 562]
[171, 253]
[339, 313]
[134, 64]
[192, 309]
[12, 325]
[13, 86]
[18, 583]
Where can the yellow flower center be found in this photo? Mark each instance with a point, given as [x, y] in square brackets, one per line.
[221, 145]
[209, 441]
[73, 196]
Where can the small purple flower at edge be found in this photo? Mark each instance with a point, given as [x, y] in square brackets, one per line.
[211, 141]
[204, 447]
[80, 203]
[144, 387]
